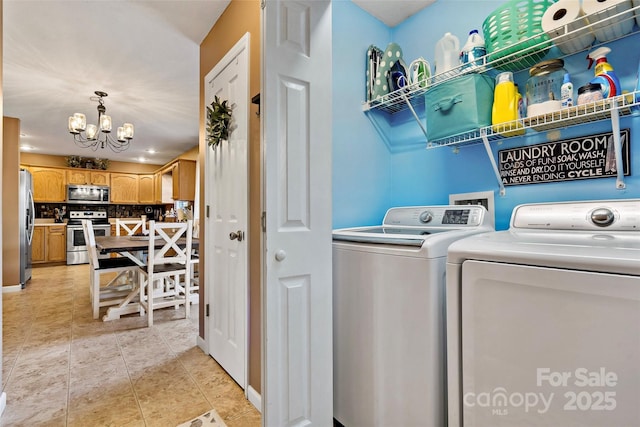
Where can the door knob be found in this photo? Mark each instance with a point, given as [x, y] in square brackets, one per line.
[280, 255]
[236, 235]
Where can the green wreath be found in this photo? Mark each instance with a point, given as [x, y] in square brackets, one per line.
[218, 122]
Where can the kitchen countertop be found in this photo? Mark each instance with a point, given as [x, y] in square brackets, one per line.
[47, 222]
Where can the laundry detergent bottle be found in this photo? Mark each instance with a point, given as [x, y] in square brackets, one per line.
[473, 50]
[604, 74]
[505, 106]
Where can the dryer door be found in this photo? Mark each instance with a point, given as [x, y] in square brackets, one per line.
[544, 346]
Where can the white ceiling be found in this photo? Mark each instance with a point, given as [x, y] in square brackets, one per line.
[393, 12]
[144, 54]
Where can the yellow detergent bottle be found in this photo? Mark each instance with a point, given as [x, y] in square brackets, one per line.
[505, 106]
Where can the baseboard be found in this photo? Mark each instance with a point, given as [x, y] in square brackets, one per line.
[255, 398]
[204, 346]
[3, 402]
[11, 288]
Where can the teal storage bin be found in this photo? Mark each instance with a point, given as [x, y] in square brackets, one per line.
[459, 105]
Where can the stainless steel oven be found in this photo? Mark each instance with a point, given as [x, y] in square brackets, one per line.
[76, 245]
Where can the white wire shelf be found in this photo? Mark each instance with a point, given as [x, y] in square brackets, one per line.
[516, 57]
[625, 104]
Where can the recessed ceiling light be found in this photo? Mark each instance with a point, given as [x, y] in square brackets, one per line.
[150, 151]
[22, 135]
[142, 159]
[26, 148]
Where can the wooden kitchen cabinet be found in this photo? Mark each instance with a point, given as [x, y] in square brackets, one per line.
[87, 177]
[38, 251]
[56, 243]
[100, 178]
[146, 186]
[48, 184]
[49, 244]
[183, 173]
[157, 187]
[124, 188]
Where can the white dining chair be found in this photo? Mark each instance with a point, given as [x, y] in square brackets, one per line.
[130, 226]
[117, 289]
[165, 279]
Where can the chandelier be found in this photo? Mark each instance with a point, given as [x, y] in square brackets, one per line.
[91, 136]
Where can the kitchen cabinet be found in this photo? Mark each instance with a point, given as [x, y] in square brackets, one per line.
[48, 184]
[38, 251]
[87, 177]
[183, 174]
[100, 178]
[146, 184]
[157, 187]
[124, 188]
[410, 97]
[56, 243]
[49, 244]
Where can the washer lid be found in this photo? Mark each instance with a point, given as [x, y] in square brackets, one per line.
[413, 225]
[405, 236]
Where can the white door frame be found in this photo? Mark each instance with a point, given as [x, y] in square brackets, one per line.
[209, 198]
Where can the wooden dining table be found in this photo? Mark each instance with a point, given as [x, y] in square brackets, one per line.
[133, 247]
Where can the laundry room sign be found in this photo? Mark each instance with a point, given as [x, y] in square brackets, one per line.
[572, 159]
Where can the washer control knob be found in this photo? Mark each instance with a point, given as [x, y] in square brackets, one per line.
[602, 217]
[425, 217]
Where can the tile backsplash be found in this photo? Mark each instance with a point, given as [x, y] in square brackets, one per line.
[47, 210]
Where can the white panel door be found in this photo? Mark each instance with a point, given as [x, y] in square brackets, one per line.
[226, 255]
[297, 302]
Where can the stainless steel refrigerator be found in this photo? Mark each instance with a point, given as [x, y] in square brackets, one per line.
[26, 218]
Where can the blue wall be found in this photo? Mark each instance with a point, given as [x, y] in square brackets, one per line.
[372, 174]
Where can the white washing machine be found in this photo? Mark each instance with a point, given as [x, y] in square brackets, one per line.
[543, 320]
[388, 314]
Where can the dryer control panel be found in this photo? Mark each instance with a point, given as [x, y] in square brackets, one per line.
[610, 215]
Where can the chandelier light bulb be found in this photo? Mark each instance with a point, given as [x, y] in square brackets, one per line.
[128, 130]
[91, 132]
[120, 134]
[105, 123]
[77, 123]
[72, 126]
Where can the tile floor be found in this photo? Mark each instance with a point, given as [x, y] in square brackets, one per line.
[62, 368]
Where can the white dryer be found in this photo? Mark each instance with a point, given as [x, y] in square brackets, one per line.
[388, 313]
[543, 320]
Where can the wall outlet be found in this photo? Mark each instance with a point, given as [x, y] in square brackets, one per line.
[484, 198]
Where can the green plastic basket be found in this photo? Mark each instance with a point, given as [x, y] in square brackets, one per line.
[513, 32]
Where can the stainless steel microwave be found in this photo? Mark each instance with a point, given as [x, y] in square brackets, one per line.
[88, 194]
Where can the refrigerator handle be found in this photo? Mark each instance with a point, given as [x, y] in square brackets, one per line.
[31, 216]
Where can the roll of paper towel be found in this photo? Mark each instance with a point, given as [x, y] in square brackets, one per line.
[565, 24]
[612, 21]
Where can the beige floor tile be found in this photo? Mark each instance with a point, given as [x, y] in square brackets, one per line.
[250, 418]
[110, 410]
[63, 368]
